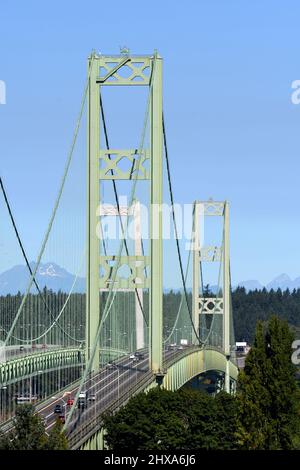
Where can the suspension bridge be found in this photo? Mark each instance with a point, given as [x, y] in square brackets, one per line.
[90, 349]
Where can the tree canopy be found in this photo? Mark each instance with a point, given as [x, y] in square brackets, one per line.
[268, 396]
[162, 420]
[29, 433]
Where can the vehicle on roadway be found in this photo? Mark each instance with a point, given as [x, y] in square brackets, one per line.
[136, 356]
[57, 409]
[139, 355]
[70, 401]
[92, 397]
[81, 404]
[82, 398]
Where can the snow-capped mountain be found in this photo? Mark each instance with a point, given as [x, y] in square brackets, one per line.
[50, 275]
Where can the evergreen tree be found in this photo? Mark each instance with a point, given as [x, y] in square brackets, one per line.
[227, 419]
[267, 390]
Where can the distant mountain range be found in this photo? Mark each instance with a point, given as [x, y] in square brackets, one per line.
[283, 281]
[49, 274]
[57, 278]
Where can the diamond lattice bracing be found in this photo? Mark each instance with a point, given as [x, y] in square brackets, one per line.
[210, 305]
[123, 164]
[130, 274]
[132, 72]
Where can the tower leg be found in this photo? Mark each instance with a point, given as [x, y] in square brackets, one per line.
[92, 277]
[156, 292]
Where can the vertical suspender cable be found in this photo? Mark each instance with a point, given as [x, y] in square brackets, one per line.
[176, 231]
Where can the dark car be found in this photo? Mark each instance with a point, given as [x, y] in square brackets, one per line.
[139, 355]
[81, 405]
[57, 409]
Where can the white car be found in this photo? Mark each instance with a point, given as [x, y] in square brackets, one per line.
[132, 356]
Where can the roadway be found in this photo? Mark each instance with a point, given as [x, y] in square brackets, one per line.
[108, 385]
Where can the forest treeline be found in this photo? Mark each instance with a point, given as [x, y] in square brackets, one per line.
[248, 307]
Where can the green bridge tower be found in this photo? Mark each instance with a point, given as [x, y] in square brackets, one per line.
[104, 71]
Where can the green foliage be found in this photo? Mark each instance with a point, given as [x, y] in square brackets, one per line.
[163, 420]
[267, 391]
[29, 433]
[227, 419]
[211, 421]
[147, 421]
[57, 439]
[249, 307]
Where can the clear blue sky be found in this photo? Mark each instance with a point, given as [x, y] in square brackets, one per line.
[233, 131]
